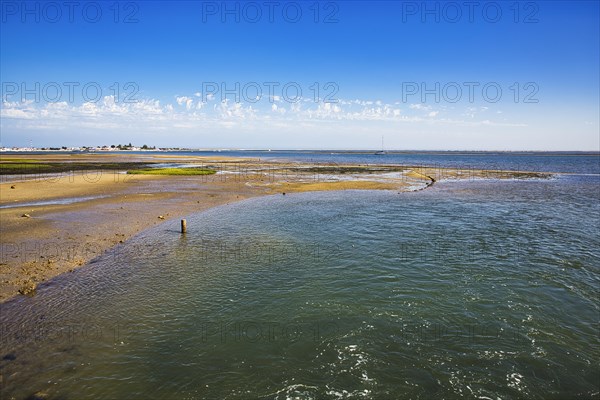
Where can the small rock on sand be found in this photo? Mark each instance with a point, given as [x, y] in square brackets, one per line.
[161, 217]
[26, 216]
[38, 396]
[28, 289]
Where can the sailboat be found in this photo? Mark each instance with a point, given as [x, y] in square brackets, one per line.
[382, 152]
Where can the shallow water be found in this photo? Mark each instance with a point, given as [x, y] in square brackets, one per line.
[481, 289]
[69, 200]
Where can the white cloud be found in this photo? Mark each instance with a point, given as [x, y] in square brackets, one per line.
[234, 110]
[420, 107]
[190, 113]
[278, 109]
[188, 101]
[16, 113]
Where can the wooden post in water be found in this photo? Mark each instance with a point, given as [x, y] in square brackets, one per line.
[183, 226]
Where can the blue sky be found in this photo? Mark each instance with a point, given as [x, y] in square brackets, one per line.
[426, 75]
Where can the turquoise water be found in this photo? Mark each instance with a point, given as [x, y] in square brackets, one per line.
[485, 289]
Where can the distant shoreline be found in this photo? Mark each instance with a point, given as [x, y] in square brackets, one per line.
[309, 151]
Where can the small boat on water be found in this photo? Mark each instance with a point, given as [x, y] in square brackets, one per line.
[382, 152]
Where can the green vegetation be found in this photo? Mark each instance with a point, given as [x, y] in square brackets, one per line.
[173, 171]
[27, 165]
[32, 167]
[17, 160]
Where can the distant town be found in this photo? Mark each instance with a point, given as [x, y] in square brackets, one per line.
[90, 149]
